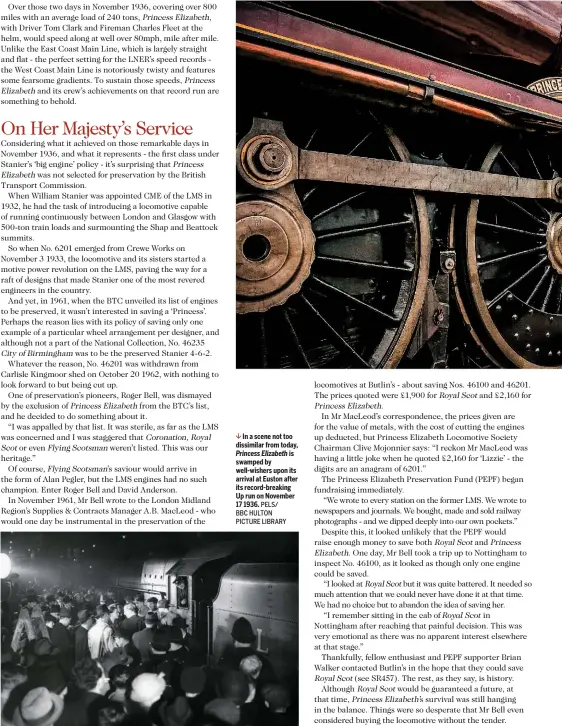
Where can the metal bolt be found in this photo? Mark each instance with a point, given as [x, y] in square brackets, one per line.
[498, 308]
[449, 264]
[272, 157]
[514, 318]
[438, 316]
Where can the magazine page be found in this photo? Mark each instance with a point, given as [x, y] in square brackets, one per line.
[310, 477]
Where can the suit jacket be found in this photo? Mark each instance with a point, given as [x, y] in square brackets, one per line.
[82, 649]
[142, 640]
[132, 625]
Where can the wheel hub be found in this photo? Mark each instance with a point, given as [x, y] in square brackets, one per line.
[554, 242]
[274, 250]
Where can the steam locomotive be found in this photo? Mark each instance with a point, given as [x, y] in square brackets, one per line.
[395, 208]
[214, 584]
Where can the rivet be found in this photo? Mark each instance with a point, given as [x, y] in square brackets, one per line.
[510, 297]
[514, 318]
[528, 346]
[558, 352]
[537, 350]
[548, 335]
[549, 352]
[516, 335]
[528, 328]
[550, 319]
[498, 308]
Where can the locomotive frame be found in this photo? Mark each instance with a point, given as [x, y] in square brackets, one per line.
[468, 272]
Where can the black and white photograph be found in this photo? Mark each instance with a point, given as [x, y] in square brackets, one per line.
[154, 629]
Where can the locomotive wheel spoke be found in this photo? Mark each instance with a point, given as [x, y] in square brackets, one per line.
[337, 205]
[516, 173]
[310, 192]
[508, 277]
[503, 228]
[558, 306]
[522, 209]
[549, 292]
[362, 264]
[512, 256]
[361, 229]
[295, 338]
[334, 333]
[330, 289]
[512, 285]
[538, 286]
[534, 163]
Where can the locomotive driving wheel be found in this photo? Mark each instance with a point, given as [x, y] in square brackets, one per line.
[328, 274]
[508, 277]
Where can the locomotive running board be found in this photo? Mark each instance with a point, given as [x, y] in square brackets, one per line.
[292, 30]
[268, 160]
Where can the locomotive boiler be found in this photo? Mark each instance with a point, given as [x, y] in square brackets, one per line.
[395, 208]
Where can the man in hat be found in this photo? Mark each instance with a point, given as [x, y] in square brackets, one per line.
[222, 711]
[61, 642]
[243, 638]
[100, 637]
[81, 647]
[39, 707]
[159, 647]
[45, 667]
[54, 609]
[146, 690]
[176, 712]
[125, 648]
[277, 703]
[197, 689]
[233, 685]
[143, 638]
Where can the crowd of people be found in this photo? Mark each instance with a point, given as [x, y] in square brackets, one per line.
[89, 658]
